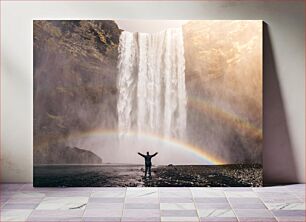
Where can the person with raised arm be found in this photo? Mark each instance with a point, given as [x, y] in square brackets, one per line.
[148, 162]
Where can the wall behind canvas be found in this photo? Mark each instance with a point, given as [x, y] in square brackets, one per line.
[284, 81]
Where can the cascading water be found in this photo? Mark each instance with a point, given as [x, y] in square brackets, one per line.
[127, 81]
[151, 83]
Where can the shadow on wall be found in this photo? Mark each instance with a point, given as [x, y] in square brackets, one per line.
[278, 161]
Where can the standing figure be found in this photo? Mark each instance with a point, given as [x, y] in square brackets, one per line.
[148, 163]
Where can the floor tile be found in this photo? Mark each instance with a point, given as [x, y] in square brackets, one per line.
[3, 200]
[240, 194]
[175, 200]
[110, 189]
[291, 219]
[141, 206]
[280, 200]
[104, 206]
[117, 193]
[245, 200]
[19, 206]
[175, 193]
[179, 219]
[224, 205]
[14, 214]
[178, 213]
[142, 193]
[25, 200]
[285, 206]
[207, 192]
[237, 189]
[177, 206]
[300, 195]
[218, 219]
[54, 219]
[278, 189]
[10, 187]
[210, 200]
[248, 205]
[25, 194]
[216, 213]
[296, 186]
[27, 187]
[289, 213]
[62, 203]
[57, 213]
[140, 219]
[101, 219]
[142, 189]
[254, 219]
[105, 200]
[68, 193]
[103, 213]
[142, 200]
[135, 213]
[273, 197]
[254, 213]
[174, 189]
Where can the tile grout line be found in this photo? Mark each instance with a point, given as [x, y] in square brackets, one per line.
[90, 193]
[36, 206]
[194, 203]
[30, 214]
[229, 203]
[158, 197]
[5, 202]
[298, 197]
[265, 204]
[14, 191]
[123, 204]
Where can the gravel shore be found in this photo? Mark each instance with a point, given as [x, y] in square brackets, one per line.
[207, 176]
[162, 176]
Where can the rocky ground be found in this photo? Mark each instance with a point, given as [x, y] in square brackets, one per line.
[162, 176]
[208, 176]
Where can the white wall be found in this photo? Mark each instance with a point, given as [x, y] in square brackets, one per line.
[284, 121]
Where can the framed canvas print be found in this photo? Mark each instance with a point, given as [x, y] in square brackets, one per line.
[147, 103]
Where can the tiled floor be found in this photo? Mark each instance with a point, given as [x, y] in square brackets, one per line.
[22, 202]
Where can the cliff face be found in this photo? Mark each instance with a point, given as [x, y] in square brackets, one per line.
[224, 87]
[74, 82]
[69, 155]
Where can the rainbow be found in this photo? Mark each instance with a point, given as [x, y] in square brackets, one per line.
[245, 128]
[155, 137]
[150, 137]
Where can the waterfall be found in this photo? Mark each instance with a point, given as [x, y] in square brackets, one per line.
[151, 83]
[127, 81]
